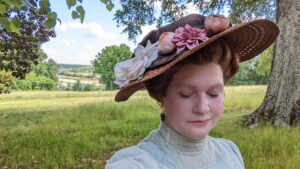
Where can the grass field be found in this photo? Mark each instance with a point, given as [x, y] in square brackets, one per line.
[82, 130]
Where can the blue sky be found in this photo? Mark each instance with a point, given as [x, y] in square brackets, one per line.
[77, 43]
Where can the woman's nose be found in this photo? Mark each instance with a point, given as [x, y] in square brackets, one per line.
[201, 105]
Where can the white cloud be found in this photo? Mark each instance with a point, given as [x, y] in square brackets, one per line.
[97, 31]
[92, 29]
[62, 27]
[77, 25]
[66, 43]
[87, 46]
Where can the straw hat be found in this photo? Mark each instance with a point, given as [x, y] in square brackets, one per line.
[157, 51]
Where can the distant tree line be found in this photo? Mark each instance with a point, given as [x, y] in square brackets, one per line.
[73, 70]
[78, 86]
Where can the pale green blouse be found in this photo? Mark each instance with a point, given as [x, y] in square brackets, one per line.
[165, 149]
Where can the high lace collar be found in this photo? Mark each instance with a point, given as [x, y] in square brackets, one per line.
[181, 143]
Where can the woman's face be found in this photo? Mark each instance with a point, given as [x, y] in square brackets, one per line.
[194, 100]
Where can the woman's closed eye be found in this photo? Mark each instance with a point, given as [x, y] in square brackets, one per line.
[214, 94]
[185, 95]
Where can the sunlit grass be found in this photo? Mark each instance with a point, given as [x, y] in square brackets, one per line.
[82, 130]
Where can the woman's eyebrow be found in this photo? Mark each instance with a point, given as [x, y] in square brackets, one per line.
[185, 86]
[217, 85]
[214, 86]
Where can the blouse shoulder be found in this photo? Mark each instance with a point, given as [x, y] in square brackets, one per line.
[230, 147]
[133, 158]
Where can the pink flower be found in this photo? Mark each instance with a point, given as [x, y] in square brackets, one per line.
[165, 44]
[188, 37]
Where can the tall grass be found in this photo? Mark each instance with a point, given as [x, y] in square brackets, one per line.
[85, 134]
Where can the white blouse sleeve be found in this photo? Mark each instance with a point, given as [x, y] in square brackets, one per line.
[131, 158]
[235, 150]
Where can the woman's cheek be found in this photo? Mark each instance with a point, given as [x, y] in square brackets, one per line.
[218, 105]
[215, 103]
[178, 103]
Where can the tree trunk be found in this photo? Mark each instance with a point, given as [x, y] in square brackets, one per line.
[281, 105]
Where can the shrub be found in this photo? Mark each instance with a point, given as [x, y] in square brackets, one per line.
[22, 84]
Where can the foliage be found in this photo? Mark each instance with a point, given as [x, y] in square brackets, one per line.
[263, 66]
[43, 76]
[77, 86]
[107, 59]
[245, 10]
[247, 74]
[6, 81]
[44, 7]
[34, 82]
[255, 71]
[41, 82]
[135, 14]
[48, 68]
[19, 50]
[90, 87]
[22, 84]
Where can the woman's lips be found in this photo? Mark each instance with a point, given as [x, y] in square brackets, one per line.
[200, 122]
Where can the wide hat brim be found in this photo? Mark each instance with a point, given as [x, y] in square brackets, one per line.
[247, 40]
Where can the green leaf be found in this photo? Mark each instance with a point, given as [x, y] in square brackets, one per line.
[16, 22]
[5, 23]
[110, 6]
[24, 8]
[104, 1]
[44, 10]
[50, 23]
[71, 3]
[52, 15]
[75, 15]
[44, 4]
[16, 3]
[13, 28]
[79, 1]
[81, 11]
[2, 9]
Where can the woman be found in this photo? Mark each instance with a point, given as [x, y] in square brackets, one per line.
[184, 66]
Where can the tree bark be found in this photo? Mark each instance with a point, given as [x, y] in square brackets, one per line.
[281, 105]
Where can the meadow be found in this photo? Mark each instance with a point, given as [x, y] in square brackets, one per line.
[55, 129]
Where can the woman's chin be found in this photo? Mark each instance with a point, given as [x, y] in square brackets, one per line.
[198, 135]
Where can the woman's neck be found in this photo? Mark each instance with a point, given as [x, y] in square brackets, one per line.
[179, 142]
